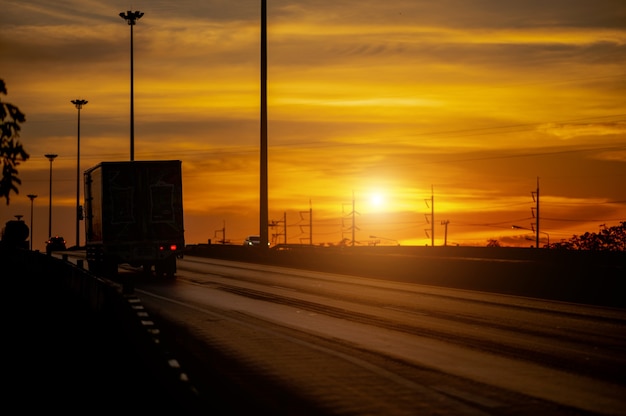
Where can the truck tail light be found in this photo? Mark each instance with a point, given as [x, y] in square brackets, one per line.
[172, 247]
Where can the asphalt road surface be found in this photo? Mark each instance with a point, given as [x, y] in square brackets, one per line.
[301, 342]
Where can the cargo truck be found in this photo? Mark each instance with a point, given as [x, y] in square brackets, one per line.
[134, 215]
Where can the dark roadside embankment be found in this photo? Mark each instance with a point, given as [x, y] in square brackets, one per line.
[76, 344]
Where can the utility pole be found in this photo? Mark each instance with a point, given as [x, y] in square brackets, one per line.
[445, 238]
[432, 215]
[537, 236]
[310, 223]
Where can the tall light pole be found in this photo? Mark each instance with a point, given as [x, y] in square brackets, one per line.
[132, 17]
[79, 105]
[32, 198]
[50, 157]
[264, 211]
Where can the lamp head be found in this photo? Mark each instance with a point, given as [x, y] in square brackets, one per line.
[79, 103]
[131, 17]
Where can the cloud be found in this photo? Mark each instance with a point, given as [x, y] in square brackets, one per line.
[568, 131]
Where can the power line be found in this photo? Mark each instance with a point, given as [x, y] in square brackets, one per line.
[584, 219]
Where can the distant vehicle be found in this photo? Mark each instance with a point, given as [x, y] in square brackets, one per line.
[134, 215]
[252, 240]
[55, 244]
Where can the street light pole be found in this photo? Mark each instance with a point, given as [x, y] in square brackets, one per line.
[79, 105]
[50, 157]
[264, 210]
[32, 198]
[132, 17]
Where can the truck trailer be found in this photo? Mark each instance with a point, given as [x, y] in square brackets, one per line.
[134, 215]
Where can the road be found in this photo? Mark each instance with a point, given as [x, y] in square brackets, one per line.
[303, 342]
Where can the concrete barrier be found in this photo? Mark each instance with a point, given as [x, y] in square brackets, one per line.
[597, 278]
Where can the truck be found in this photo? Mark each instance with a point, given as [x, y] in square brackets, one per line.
[133, 212]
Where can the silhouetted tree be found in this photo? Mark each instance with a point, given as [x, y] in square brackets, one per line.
[608, 239]
[11, 150]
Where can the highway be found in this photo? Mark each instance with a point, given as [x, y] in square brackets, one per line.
[304, 342]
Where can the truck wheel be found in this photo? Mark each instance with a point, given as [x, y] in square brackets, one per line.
[166, 268]
[170, 268]
[109, 268]
[95, 267]
[147, 269]
[159, 268]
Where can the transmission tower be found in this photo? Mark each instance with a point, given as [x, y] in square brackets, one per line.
[223, 232]
[310, 226]
[349, 217]
[278, 233]
[430, 202]
[535, 212]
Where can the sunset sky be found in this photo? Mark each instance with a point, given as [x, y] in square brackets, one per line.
[381, 103]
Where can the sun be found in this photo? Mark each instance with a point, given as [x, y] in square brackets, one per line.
[377, 200]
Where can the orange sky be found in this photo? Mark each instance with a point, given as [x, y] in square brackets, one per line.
[367, 99]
